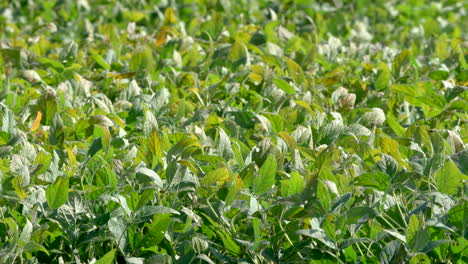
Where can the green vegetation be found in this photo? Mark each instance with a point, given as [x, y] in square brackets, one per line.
[216, 131]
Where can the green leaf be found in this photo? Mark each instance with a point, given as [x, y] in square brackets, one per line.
[105, 177]
[152, 175]
[448, 178]
[69, 52]
[108, 258]
[256, 229]
[12, 56]
[351, 241]
[459, 246]
[420, 239]
[383, 77]
[95, 146]
[412, 229]
[341, 201]
[394, 125]
[320, 236]
[142, 60]
[458, 216]
[238, 52]
[284, 85]
[58, 66]
[266, 176]
[376, 180]
[118, 228]
[387, 165]
[5, 150]
[420, 258]
[400, 60]
[404, 88]
[103, 133]
[34, 247]
[441, 47]
[100, 60]
[156, 230]
[439, 75]
[433, 244]
[461, 160]
[435, 101]
[228, 242]
[359, 214]
[156, 210]
[25, 235]
[57, 193]
[8, 121]
[247, 175]
[244, 119]
[296, 183]
[56, 135]
[276, 121]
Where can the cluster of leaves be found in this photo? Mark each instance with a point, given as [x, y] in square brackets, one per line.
[216, 131]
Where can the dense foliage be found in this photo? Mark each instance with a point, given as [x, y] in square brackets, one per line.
[217, 131]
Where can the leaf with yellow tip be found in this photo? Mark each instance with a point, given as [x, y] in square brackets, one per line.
[194, 90]
[71, 158]
[304, 104]
[154, 145]
[189, 165]
[17, 182]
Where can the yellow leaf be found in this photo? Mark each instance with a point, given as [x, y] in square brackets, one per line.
[161, 38]
[154, 144]
[213, 119]
[117, 120]
[71, 158]
[391, 147]
[121, 75]
[238, 51]
[37, 121]
[288, 139]
[133, 16]
[239, 183]
[257, 73]
[333, 77]
[169, 16]
[219, 176]
[194, 90]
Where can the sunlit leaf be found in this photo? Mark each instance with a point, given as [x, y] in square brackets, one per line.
[108, 258]
[449, 179]
[57, 193]
[266, 176]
